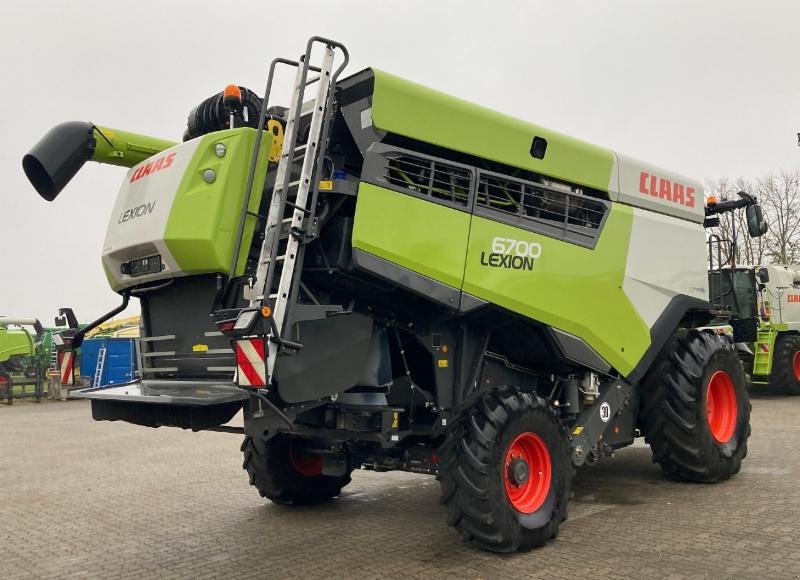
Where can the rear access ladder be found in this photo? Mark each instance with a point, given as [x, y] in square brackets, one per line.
[292, 206]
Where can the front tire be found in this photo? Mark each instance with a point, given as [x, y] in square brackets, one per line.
[785, 377]
[696, 409]
[505, 472]
[282, 473]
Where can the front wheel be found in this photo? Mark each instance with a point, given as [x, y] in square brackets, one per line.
[505, 472]
[696, 410]
[785, 377]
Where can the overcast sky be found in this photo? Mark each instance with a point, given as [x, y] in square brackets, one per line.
[707, 89]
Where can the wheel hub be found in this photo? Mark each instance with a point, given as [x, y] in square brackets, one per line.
[518, 471]
[527, 472]
[721, 407]
[796, 365]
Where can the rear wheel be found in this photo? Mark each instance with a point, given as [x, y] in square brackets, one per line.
[284, 473]
[505, 472]
[785, 377]
[696, 410]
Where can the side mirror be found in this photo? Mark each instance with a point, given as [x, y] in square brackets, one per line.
[763, 275]
[66, 317]
[756, 224]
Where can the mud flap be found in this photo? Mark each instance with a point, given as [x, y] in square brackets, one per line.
[335, 355]
[194, 405]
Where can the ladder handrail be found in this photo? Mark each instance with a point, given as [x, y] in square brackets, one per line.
[262, 117]
[260, 129]
[307, 178]
[299, 213]
[333, 44]
[264, 278]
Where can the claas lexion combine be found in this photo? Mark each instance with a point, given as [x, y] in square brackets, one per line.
[385, 277]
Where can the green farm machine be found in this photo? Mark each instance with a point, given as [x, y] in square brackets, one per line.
[385, 277]
[21, 358]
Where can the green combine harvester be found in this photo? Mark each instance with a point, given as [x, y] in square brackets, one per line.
[389, 278]
[20, 350]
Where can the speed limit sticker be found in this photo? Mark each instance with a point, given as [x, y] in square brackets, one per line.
[605, 412]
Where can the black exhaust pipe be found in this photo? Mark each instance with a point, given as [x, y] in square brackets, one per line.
[58, 156]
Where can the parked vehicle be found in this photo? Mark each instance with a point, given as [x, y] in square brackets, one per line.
[765, 303]
[386, 277]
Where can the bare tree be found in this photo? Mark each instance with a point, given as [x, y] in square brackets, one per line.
[733, 225]
[780, 195]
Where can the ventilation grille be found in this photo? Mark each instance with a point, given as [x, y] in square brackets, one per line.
[430, 178]
[563, 214]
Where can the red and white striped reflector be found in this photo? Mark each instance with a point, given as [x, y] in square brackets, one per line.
[764, 347]
[251, 362]
[65, 363]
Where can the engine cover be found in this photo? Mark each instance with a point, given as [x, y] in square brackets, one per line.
[177, 213]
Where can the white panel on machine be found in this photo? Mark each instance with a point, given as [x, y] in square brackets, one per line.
[641, 184]
[139, 220]
[663, 262]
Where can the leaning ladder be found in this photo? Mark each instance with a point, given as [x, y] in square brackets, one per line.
[98, 370]
[292, 217]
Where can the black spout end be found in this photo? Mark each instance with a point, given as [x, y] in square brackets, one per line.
[58, 156]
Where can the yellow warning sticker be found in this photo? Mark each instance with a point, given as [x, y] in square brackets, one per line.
[578, 430]
[442, 363]
[326, 185]
[200, 348]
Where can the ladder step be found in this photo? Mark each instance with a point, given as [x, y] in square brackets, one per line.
[295, 206]
[298, 149]
[277, 259]
[312, 80]
[292, 184]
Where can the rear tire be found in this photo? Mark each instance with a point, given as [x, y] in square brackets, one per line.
[487, 501]
[284, 475]
[696, 409]
[785, 377]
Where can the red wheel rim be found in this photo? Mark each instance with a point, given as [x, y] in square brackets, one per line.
[796, 365]
[721, 407]
[309, 465]
[527, 472]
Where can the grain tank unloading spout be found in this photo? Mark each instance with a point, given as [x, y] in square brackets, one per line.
[61, 153]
